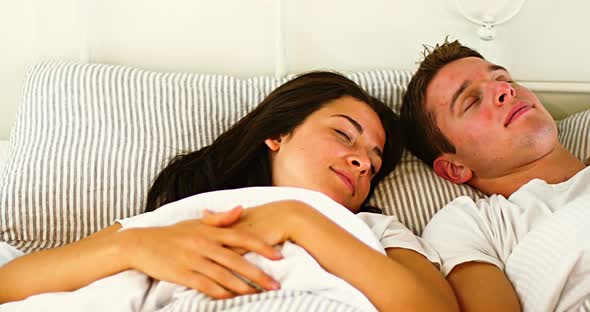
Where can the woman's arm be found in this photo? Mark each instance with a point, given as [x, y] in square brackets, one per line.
[482, 286]
[425, 270]
[405, 281]
[61, 269]
[189, 253]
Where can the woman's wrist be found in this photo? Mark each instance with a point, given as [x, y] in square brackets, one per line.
[301, 217]
[288, 217]
[125, 243]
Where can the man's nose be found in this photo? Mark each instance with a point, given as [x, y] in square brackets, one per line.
[503, 93]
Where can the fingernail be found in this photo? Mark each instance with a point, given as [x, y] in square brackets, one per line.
[278, 255]
[274, 285]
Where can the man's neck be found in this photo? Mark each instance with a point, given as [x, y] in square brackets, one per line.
[558, 166]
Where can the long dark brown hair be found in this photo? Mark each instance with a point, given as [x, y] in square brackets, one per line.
[239, 158]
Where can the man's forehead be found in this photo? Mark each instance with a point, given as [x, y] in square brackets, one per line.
[439, 89]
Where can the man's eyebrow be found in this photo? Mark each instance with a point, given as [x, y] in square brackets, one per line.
[458, 92]
[495, 67]
[360, 129]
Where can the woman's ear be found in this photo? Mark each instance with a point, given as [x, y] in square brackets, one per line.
[450, 170]
[273, 144]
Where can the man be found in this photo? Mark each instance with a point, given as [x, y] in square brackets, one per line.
[473, 124]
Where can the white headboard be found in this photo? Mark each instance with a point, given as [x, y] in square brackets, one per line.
[544, 45]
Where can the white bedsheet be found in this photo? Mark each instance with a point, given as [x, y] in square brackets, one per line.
[134, 291]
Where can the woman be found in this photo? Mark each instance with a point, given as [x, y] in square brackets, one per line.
[319, 131]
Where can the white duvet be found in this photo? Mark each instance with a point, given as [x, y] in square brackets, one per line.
[134, 291]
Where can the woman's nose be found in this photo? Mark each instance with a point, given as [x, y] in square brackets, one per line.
[363, 164]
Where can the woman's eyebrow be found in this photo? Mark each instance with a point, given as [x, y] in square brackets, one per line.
[355, 123]
[360, 129]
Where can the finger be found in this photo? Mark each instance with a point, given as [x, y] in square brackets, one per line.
[238, 250]
[204, 284]
[246, 270]
[223, 277]
[221, 219]
[234, 238]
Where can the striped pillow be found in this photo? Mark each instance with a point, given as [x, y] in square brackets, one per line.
[90, 138]
[414, 193]
[574, 134]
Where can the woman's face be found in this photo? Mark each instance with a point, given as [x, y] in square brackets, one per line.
[336, 150]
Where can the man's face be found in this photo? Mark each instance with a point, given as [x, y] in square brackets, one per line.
[496, 125]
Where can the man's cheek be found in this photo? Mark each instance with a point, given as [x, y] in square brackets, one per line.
[487, 117]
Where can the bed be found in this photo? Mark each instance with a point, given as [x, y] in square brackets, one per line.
[89, 138]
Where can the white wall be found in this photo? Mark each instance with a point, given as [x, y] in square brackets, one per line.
[545, 42]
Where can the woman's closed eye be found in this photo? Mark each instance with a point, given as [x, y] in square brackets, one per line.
[343, 135]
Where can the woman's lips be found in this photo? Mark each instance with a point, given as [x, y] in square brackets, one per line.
[346, 180]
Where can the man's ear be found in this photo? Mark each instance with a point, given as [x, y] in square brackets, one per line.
[273, 144]
[450, 170]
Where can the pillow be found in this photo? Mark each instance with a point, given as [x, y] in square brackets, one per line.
[574, 134]
[90, 138]
[414, 193]
[3, 153]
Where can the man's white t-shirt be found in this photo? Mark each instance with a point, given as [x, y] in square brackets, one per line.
[539, 237]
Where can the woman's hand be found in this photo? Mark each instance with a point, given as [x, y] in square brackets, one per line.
[197, 254]
[273, 222]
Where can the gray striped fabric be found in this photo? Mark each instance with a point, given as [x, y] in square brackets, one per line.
[414, 193]
[90, 138]
[574, 134]
[280, 301]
